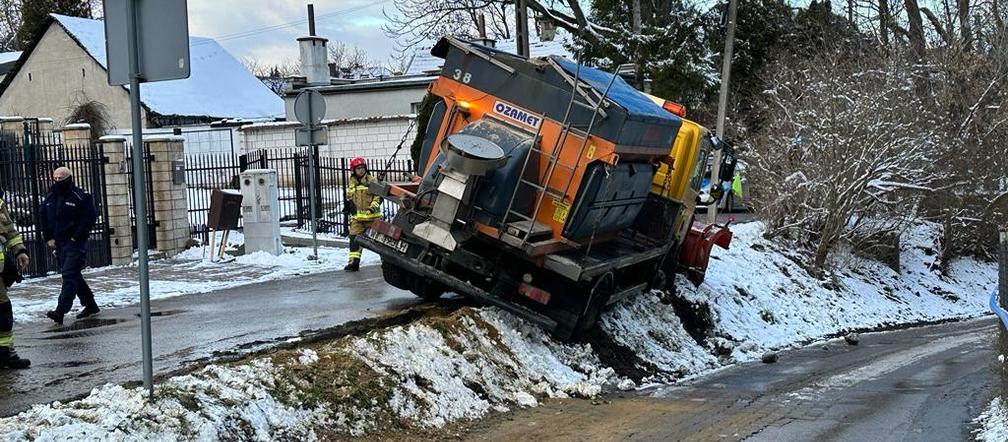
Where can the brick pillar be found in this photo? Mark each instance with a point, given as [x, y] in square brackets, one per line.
[76, 138]
[12, 126]
[170, 200]
[117, 193]
[46, 127]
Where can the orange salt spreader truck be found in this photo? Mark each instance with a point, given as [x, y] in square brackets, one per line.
[549, 189]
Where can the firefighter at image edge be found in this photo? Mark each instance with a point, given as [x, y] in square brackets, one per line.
[362, 206]
[13, 244]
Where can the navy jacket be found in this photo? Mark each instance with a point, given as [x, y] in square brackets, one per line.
[68, 215]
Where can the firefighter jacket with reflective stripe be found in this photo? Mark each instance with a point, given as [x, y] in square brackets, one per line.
[8, 233]
[368, 205]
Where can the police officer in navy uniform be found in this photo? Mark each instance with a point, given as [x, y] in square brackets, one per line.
[68, 214]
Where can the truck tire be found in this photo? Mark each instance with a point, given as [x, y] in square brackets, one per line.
[598, 296]
[395, 276]
[425, 288]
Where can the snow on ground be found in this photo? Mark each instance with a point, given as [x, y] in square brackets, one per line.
[460, 365]
[189, 272]
[992, 424]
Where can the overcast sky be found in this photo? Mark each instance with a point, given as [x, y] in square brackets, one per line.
[267, 29]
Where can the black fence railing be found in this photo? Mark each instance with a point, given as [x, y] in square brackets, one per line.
[152, 222]
[27, 160]
[207, 172]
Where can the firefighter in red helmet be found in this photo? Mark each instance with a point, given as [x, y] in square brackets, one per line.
[362, 205]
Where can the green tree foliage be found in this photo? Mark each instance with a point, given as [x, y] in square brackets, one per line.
[34, 13]
[670, 47]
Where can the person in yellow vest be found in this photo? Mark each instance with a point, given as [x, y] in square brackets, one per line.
[14, 245]
[364, 207]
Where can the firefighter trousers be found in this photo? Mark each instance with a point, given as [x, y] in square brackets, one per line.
[6, 319]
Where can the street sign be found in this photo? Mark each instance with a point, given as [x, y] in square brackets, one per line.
[145, 40]
[309, 107]
[162, 27]
[311, 137]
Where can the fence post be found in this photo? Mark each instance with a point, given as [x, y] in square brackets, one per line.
[117, 188]
[171, 206]
[74, 136]
[1003, 301]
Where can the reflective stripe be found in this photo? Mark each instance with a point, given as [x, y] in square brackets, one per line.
[355, 255]
[7, 339]
[15, 241]
[366, 216]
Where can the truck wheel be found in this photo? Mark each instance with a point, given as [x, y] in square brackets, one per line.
[425, 288]
[598, 296]
[395, 276]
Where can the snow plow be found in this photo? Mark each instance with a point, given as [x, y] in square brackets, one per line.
[548, 189]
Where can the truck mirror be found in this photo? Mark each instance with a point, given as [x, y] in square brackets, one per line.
[728, 161]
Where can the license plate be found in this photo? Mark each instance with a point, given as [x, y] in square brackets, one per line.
[396, 244]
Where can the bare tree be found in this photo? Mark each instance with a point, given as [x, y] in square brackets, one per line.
[274, 76]
[826, 169]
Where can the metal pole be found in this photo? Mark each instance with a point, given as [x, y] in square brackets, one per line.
[1003, 268]
[311, 19]
[140, 198]
[521, 28]
[722, 105]
[311, 181]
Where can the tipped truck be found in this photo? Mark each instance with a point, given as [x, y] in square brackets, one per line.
[548, 189]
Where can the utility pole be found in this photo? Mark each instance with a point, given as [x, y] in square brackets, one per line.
[638, 69]
[722, 105]
[521, 28]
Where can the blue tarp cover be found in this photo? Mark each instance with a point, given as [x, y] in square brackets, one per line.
[621, 93]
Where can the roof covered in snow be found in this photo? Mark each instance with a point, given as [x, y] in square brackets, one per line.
[423, 63]
[219, 85]
[7, 57]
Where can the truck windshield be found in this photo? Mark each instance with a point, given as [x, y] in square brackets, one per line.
[700, 166]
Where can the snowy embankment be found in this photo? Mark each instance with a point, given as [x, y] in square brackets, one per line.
[454, 366]
[992, 424]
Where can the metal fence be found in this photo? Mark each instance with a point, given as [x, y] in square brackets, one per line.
[207, 172]
[27, 160]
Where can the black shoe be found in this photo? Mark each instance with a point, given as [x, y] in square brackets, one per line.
[353, 266]
[56, 317]
[88, 311]
[10, 359]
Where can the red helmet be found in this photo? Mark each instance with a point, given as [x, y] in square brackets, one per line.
[357, 161]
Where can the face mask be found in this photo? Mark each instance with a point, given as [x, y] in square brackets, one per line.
[63, 186]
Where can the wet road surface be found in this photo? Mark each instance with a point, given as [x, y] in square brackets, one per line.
[921, 384]
[69, 361]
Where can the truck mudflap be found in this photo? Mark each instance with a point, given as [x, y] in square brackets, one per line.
[697, 247]
[454, 284]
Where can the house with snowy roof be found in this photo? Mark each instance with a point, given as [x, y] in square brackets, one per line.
[65, 66]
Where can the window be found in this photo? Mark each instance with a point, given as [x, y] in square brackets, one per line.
[415, 107]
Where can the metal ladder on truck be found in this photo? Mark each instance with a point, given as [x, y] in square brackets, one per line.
[522, 233]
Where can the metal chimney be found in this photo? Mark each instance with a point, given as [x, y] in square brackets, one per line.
[314, 55]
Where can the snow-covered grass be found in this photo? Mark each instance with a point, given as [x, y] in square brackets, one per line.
[455, 366]
[992, 424]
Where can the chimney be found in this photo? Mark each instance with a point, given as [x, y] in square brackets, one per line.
[314, 56]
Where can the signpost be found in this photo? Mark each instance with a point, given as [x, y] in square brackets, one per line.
[309, 108]
[145, 41]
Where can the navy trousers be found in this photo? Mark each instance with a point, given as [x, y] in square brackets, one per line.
[71, 257]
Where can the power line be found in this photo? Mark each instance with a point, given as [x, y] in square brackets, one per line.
[276, 27]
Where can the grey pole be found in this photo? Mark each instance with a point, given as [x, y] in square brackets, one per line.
[311, 182]
[140, 197]
[723, 103]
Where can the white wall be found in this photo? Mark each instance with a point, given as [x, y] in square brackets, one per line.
[62, 75]
[366, 104]
[366, 137]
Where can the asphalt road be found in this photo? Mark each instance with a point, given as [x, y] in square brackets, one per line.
[921, 384]
[69, 361]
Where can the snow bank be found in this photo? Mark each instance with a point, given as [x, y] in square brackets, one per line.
[992, 424]
[461, 365]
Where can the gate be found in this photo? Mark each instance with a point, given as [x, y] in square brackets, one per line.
[27, 160]
[152, 222]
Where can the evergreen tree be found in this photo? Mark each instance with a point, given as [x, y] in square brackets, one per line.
[34, 13]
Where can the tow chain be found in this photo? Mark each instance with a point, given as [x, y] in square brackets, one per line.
[388, 165]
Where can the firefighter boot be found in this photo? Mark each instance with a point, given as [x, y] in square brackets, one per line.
[353, 265]
[10, 359]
